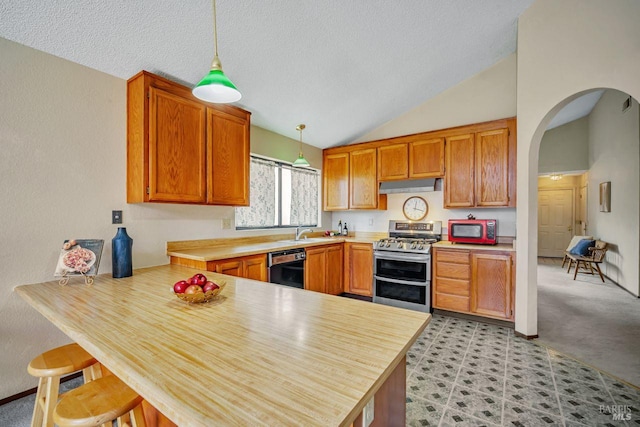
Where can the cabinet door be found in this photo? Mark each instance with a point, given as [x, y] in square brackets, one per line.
[492, 168]
[227, 159]
[358, 268]
[363, 191]
[426, 158]
[392, 162]
[459, 172]
[255, 268]
[232, 267]
[315, 269]
[177, 163]
[335, 261]
[491, 284]
[335, 172]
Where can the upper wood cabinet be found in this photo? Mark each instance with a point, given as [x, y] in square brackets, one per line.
[350, 180]
[363, 183]
[228, 159]
[459, 172]
[416, 158]
[182, 150]
[426, 158]
[335, 177]
[481, 166]
[392, 162]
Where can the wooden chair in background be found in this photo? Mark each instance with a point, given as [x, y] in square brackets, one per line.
[594, 259]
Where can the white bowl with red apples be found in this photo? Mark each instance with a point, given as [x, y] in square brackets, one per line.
[198, 288]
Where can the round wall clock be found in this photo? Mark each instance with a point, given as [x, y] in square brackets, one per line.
[415, 208]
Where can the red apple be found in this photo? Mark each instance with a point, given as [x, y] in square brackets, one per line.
[199, 279]
[209, 286]
[180, 286]
[193, 289]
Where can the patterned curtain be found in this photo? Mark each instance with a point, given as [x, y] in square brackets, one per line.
[304, 196]
[261, 211]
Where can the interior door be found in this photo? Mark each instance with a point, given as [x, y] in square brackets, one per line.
[555, 221]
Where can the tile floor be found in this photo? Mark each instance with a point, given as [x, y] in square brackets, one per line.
[465, 373]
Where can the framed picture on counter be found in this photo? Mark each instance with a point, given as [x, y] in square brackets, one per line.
[79, 257]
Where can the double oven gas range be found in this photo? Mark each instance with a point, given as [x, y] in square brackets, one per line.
[402, 265]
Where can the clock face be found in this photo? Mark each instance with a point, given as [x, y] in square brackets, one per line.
[415, 208]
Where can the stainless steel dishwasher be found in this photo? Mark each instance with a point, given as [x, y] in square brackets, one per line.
[287, 267]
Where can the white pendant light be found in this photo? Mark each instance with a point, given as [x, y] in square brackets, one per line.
[215, 87]
[301, 162]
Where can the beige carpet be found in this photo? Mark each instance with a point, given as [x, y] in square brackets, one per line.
[594, 322]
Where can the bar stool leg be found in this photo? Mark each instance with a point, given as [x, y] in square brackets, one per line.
[38, 408]
[49, 402]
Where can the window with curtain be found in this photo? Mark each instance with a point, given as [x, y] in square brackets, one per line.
[280, 196]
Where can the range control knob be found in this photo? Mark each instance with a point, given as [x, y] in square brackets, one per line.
[399, 245]
[388, 245]
[413, 245]
[421, 247]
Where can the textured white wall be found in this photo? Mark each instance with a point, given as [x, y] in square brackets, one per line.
[489, 95]
[62, 171]
[564, 49]
[614, 156]
[565, 148]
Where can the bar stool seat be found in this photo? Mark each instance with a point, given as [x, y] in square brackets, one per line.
[49, 367]
[98, 402]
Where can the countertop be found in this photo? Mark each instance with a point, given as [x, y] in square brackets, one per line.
[262, 354]
[452, 245]
[243, 248]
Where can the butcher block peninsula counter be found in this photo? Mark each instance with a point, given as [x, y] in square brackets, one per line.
[260, 354]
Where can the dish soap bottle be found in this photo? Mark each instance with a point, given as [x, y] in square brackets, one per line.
[340, 228]
[345, 230]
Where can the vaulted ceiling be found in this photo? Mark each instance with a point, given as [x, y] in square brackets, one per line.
[341, 67]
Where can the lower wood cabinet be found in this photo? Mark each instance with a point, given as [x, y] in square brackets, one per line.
[323, 269]
[358, 268]
[249, 267]
[474, 281]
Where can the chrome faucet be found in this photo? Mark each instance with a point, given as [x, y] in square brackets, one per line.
[299, 232]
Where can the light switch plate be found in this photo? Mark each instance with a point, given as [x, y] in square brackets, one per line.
[116, 217]
[226, 223]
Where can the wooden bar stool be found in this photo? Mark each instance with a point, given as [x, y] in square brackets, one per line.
[99, 402]
[49, 367]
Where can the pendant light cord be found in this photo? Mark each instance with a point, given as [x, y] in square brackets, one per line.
[215, 29]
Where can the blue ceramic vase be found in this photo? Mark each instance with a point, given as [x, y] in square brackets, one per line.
[121, 249]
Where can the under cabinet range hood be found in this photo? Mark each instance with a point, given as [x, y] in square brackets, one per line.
[408, 186]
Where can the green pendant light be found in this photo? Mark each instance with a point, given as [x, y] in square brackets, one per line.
[301, 162]
[215, 87]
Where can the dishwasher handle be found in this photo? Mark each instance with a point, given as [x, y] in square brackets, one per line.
[284, 257]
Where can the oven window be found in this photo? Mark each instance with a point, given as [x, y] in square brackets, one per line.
[402, 270]
[399, 292]
[466, 230]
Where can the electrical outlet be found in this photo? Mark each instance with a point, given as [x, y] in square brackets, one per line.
[367, 414]
[116, 217]
[370, 221]
[226, 223]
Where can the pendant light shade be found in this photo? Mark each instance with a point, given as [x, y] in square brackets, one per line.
[215, 87]
[301, 162]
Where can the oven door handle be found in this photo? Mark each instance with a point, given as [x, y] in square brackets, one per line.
[403, 257]
[401, 282]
